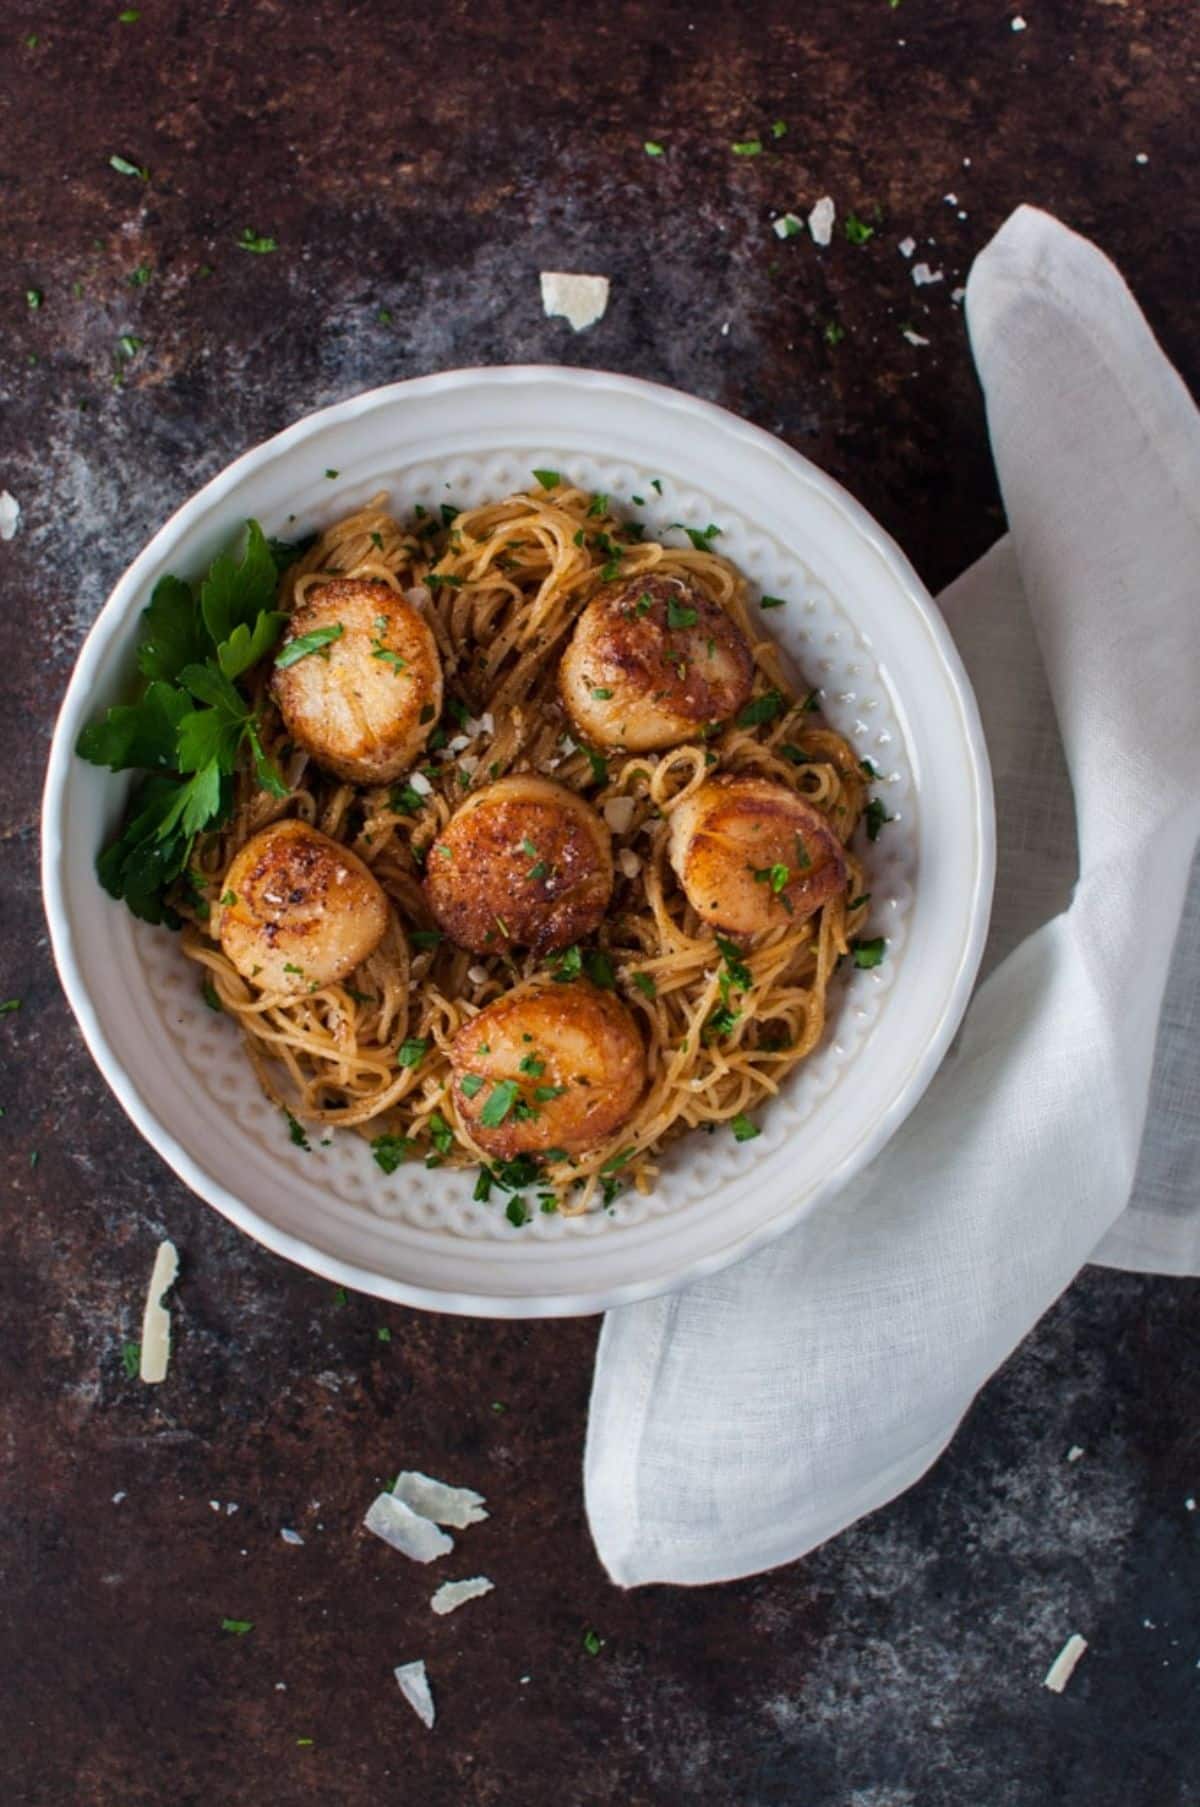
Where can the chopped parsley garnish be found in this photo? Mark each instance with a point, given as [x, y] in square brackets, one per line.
[645, 985]
[598, 504]
[656, 485]
[544, 1093]
[868, 769]
[772, 602]
[383, 1334]
[875, 815]
[794, 755]
[679, 615]
[599, 766]
[615, 1162]
[593, 1643]
[33, 299]
[499, 1102]
[778, 128]
[701, 536]
[601, 694]
[124, 167]
[425, 937]
[856, 903]
[869, 953]
[857, 231]
[405, 800]
[259, 245]
[304, 644]
[747, 147]
[471, 1084]
[440, 1133]
[389, 1151]
[644, 603]
[533, 1066]
[129, 345]
[239, 1627]
[296, 1132]
[131, 1359]
[653, 150]
[598, 967]
[743, 1129]
[721, 1022]
[760, 709]
[384, 653]
[438, 580]
[548, 479]
[776, 876]
[517, 1212]
[609, 571]
[568, 965]
[209, 992]
[834, 332]
[413, 1052]
[803, 857]
[9, 1004]
[483, 1182]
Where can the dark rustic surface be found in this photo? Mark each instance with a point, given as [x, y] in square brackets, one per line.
[427, 163]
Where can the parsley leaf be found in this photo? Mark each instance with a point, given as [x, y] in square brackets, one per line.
[857, 231]
[257, 242]
[548, 479]
[653, 150]
[234, 595]
[760, 709]
[747, 147]
[131, 1359]
[645, 985]
[869, 953]
[413, 1052]
[390, 1151]
[875, 815]
[304, 644]
[701, 536]
[499, 1102]
[743, 1129]
[679, 615]
[772, 602]
[598, 967]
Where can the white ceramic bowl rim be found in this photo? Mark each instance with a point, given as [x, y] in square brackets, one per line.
[79, 703]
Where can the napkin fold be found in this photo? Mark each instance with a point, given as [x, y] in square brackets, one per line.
[738, 1424]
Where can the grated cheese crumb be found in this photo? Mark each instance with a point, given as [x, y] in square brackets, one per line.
[787, 225]
[405, 1530]
[10, 514]
[1074, 1453]
[1140, 157]
[437, 1501]
[414, 1685]
[618, 813]
[820, 220]
[420, 783]
[914, 338]
[1063, 1667]
[629, 862]
[290, 1536]
[922, 274]
[156, 1319]
[118, 1497]
[1018, 23]
[907, 246]
[453, 1594]
[477, 974]
[580, 300]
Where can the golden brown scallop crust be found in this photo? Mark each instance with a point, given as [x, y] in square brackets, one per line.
[733, 839]
[523, 863]
[646, 675]
[575, 1056]
[364, 705]
[303, 912]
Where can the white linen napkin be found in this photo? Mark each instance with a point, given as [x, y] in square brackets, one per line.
[738, 1424]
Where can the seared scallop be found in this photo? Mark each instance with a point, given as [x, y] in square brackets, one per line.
[652, 662]
[298, 911]
[523, 863]
[358, 680]
[752, 855]
[548, 1066]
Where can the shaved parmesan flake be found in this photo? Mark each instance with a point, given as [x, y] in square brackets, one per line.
[419, 783]
[580, 300]
[118, 1497]
[907, 246]
[914, 338]
[1063, 1667]
[418, 596]
[1141, 157]
[820, 220]
[453, 1594]
[618, 813]
[1074, 1453]
[407, 1531]
[1018, 23]
[156, 1319]
[1190, 1504]
[437, 1501]
[414, 1685]
[787, 225]
[922, 274]
[10, 514]
[629, 862]
[289, 1536]
[478, 975]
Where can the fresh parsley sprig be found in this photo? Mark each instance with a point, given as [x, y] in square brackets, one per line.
[189, 721]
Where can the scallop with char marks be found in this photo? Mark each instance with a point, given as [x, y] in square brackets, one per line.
[548, 1066]
[752, 855]
[651, 662]
[302, 910]
[363, 702]
[523, 863]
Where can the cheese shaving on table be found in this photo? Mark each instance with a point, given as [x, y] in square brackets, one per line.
[405, 1530]
[10, 514]
[922, 274]
[580, 300]
[914, 338]
[436, 1500]
[907, 246]
[787, 225]
[156, 1319]
[453, 1594]
[820, 220]
[414, 1685]
[1063, 1667]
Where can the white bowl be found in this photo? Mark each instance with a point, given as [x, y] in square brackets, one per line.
[858, 623]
